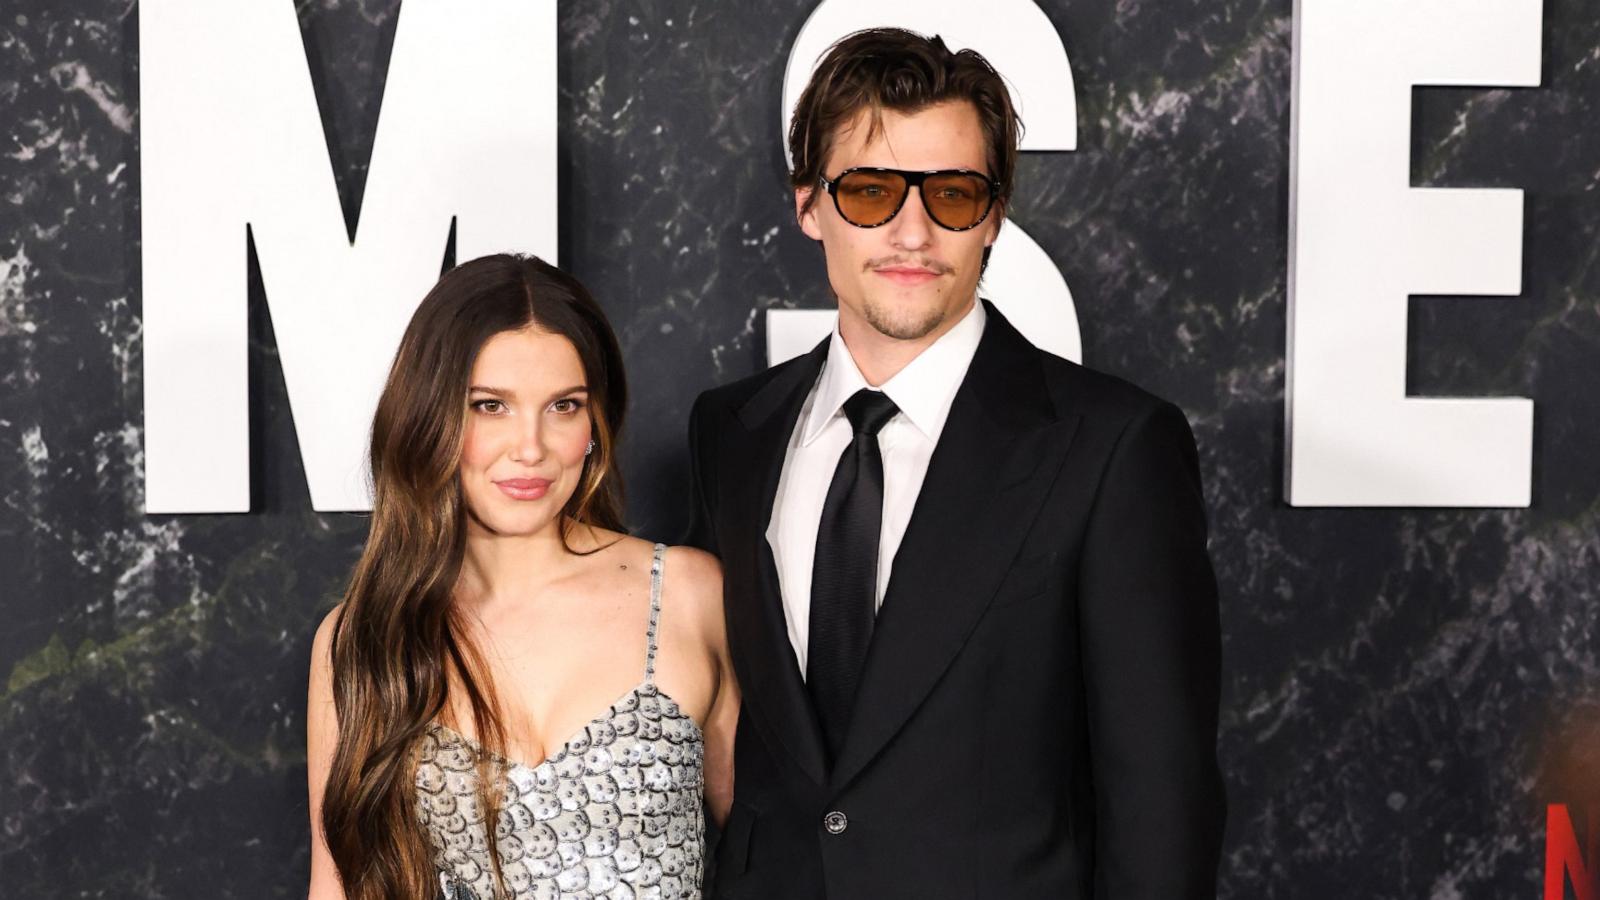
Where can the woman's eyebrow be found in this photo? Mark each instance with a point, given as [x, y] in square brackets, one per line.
[507, 392]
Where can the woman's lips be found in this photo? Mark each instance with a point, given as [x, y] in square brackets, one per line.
[524, 488]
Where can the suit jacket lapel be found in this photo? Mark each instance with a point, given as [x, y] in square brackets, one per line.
[776, 696]
[1001, 447]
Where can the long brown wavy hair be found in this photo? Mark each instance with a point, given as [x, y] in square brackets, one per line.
[399, 644]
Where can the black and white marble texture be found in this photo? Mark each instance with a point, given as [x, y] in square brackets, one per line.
[1397, 681]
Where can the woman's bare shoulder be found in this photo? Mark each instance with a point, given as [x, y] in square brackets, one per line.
[698, 570]
[694, 581]
[690, 577]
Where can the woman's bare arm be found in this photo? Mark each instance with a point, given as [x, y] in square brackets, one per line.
[322, 734]
[723, 719]
[719, 731]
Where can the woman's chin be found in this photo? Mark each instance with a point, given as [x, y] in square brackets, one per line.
[513, 522]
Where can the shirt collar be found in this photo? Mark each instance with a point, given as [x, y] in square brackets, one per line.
[924, 390]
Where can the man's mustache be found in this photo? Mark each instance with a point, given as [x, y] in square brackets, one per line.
[935, 266]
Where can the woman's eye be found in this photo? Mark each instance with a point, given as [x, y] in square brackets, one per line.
[566, 406]
[489, 407]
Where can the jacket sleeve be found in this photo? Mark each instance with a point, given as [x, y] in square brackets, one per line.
[1149, 624]
[702, 529]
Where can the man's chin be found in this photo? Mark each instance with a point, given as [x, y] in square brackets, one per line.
[904, 324]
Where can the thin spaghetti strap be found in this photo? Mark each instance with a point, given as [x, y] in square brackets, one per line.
[656, 564]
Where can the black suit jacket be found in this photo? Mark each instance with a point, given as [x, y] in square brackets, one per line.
[1038, 710]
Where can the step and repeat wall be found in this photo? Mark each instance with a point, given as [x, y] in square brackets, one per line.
[1357, 241]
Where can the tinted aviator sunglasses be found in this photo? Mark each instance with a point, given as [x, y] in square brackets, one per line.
[956, 199]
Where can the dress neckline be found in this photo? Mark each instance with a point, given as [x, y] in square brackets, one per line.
[646, 687]
[642, 689]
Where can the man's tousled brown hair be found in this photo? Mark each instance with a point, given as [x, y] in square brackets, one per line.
[900, 70]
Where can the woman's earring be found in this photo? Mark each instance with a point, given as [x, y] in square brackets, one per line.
[590, 449]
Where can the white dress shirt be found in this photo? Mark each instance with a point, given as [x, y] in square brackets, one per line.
[924, 391]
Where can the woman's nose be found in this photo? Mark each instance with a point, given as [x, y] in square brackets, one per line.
[529, 442]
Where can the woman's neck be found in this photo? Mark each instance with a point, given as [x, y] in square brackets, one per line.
[498, 568]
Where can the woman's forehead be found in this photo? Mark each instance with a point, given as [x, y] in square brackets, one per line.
[527, 357]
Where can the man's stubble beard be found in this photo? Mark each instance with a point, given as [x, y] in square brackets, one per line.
[902, 328]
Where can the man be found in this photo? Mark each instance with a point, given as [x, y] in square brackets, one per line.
[968, 594]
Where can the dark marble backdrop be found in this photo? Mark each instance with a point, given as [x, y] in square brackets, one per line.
[1397, 681]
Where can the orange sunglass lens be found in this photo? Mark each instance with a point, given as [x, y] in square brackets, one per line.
[956, 201]
[869, 198]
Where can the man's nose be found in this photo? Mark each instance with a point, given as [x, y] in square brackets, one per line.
[911, 229]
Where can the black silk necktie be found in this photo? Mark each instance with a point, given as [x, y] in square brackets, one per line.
[844, 573]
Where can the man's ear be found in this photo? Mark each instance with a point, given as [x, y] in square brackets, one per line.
[807, 217]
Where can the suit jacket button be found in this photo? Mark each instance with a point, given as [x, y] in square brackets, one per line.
[835, 822]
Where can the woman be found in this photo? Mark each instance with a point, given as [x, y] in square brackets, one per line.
[505, 654]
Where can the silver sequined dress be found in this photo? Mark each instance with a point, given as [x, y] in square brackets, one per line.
[615, 813]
